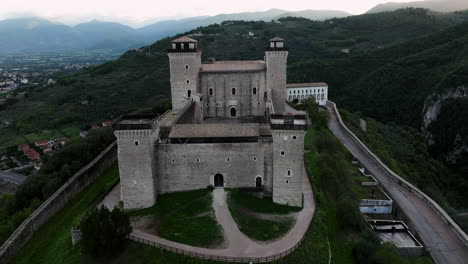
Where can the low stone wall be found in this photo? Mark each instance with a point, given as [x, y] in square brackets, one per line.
[57, 201]
[435, 207]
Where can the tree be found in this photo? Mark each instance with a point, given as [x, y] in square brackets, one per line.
[104, 232]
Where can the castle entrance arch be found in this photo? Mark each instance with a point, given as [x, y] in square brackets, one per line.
[258, 182]
[233, 112]
[218, 180]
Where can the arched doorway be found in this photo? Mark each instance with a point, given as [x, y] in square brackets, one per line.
[218, 180]
[258, 182]
[233, 112]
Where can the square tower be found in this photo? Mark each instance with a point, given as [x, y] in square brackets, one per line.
[136, 135]
[276, 59]
[184, 64]
[288, 133]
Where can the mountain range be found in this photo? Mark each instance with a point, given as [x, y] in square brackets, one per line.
[34, 34]
[434, 5]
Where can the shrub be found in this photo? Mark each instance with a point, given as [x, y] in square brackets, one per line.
[104, 232]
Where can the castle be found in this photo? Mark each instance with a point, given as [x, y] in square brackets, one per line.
[230, 126]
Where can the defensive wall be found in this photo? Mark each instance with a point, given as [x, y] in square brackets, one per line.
[57, 201]
[402, 182]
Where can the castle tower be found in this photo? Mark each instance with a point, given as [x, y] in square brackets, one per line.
[276, 57]
[136, 135]
[288, 133]
[184, 63]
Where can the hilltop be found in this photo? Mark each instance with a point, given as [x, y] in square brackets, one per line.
[389, 66]
[434, 5]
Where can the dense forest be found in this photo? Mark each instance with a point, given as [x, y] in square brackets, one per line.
[386, 66]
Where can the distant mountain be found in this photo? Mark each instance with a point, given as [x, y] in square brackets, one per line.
[168, 28]
[315, 14]
[36, 35]
[29, 35]
[435, 5]
[107, 35]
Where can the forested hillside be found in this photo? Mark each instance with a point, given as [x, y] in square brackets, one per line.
[387, 66]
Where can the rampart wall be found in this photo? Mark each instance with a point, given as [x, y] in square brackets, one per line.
[57, 201]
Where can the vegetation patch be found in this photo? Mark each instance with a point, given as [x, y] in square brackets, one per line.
[241, 206]
[52, 242]
[184, 217]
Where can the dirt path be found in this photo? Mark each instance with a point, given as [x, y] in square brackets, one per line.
[238, 244]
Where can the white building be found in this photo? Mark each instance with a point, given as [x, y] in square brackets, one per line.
[304, 91]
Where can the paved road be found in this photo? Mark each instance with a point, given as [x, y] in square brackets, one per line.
[239, 245]
[442, 243]
[12, 177]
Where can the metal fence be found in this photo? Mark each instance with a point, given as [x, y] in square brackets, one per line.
[217, 257]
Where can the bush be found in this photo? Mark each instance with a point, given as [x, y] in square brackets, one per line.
[104, 232]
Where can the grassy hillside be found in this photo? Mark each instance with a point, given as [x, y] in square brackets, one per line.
[383, 65]
[140, 78]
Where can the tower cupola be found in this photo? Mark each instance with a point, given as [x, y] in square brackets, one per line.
[277, 44]
[184, 44]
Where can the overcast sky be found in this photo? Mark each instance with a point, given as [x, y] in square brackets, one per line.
[137, 12]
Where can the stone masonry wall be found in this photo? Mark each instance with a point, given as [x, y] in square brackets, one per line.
[183, 167]
[136, 166]
[288, 166]
[57, 201]
[219, 103]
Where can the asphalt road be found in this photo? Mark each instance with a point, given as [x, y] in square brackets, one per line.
[443, 245]
[12, 177]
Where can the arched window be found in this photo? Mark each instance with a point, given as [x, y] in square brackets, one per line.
[254, 90]
[186, 66]
[282, 153]
[290, 98]
[294, 137]
[136, 143]
[187, 81]
[289, 173]
[233, 91]
[210, 92]
[323, 96]
[189, 93]
[198, 160]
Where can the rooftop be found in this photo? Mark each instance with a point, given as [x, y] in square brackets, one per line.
[300, 85]
[276, 39]
[227, 66]
[183, 39]
[141, 121]
[214, 130]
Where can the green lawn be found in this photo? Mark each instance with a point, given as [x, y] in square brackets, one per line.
[185, 217]
[256, 228]
[259, 205]
[365, 192]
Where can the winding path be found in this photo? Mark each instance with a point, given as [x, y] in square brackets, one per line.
[239, 245]
[443, 245]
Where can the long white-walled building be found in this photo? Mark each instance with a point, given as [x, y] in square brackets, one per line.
[304, 91]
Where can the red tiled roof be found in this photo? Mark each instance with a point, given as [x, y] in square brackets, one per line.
[24, 147]
[32, 154]
[276, 39]
[107, 123]
[183, 39]
[41, 143]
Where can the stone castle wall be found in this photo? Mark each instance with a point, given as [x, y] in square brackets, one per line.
[57, 201]
[136, 166]
[183, 167]
[219, 102]
[184, 70]
[288, 166]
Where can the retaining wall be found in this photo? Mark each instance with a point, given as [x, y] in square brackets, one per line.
[433, 205]
[57, 201]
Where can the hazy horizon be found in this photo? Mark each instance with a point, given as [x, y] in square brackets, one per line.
[139, 13]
